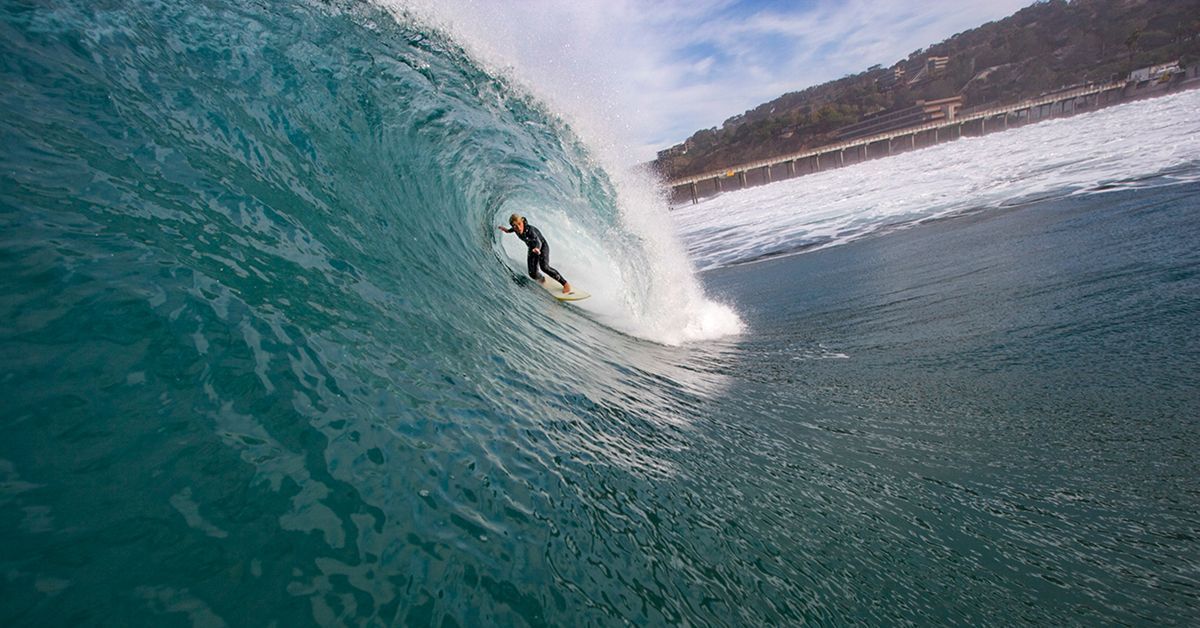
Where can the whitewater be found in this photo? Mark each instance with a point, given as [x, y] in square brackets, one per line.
[1105, 150]
[265, 358]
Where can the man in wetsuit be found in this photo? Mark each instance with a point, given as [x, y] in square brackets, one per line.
[539, 251]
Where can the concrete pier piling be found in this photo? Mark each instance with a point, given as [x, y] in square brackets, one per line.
[992, 120]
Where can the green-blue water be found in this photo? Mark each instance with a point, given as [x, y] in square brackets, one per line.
[991, 419]
[241, 383]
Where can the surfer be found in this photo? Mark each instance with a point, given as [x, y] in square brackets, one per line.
[539, 250]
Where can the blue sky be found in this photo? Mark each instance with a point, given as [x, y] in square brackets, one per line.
[645, 75]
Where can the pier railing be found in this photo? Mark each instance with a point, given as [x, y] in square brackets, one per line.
[1032, 110]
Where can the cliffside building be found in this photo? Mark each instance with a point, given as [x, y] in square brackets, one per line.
[934, 67]
[924, 112]
[893, 77]
[1162, 73]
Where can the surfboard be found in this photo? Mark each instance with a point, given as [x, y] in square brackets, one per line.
[555, 290]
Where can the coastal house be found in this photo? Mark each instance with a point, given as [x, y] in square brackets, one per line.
[674, 151]
[892, 78]
[934, 67]
[1160, 73]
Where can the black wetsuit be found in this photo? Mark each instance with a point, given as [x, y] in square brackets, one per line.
[534, 240]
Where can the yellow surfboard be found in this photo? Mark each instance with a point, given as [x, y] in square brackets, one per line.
[555, 290]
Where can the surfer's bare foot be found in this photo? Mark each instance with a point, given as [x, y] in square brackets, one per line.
[566, 288]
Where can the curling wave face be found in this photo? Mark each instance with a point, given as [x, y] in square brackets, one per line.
[255, 246]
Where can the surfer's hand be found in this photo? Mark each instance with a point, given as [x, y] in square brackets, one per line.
[537, 251]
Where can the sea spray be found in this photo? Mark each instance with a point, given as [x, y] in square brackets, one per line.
[265, 361]
[1146, 143]
[609, 230]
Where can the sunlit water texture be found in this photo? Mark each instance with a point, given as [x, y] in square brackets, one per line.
[265, 358]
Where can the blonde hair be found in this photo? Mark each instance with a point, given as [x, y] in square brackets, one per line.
[512, 220]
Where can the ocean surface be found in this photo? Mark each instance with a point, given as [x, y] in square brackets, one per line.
[265, 359]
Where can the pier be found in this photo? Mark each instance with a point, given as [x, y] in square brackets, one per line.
[858, 150]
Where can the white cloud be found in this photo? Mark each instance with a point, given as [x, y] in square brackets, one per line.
[702, 66]
[647, 75]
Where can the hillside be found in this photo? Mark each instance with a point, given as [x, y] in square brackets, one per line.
[1041, 48]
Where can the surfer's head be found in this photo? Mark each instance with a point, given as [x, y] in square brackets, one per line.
[517, 221]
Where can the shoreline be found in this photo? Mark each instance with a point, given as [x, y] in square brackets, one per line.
[974, 124]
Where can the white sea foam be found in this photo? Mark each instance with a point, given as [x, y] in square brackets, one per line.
[1122, 146]
[641, 277]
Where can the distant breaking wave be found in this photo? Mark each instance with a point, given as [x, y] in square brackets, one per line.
[1151, 142]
